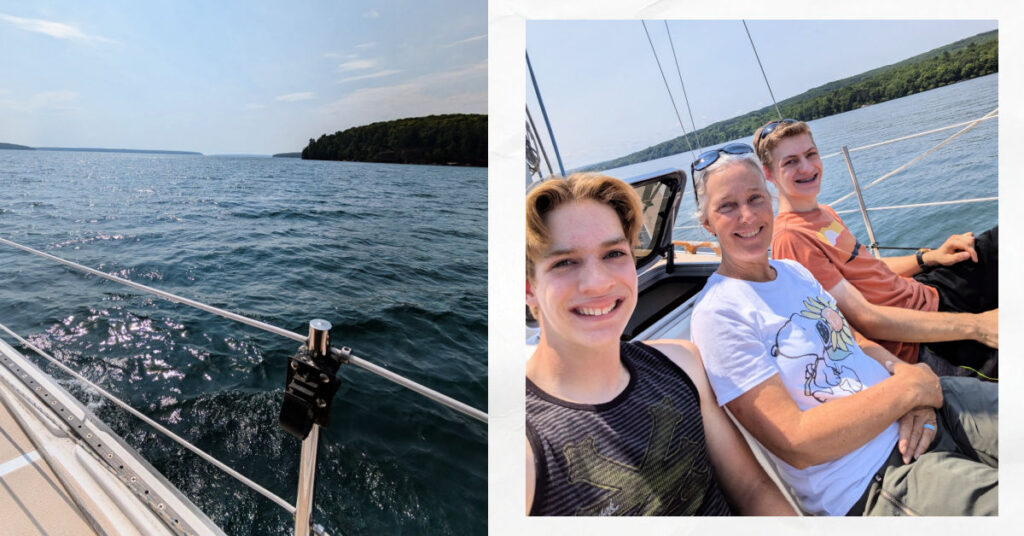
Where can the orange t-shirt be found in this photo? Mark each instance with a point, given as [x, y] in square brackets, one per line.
[821, 242]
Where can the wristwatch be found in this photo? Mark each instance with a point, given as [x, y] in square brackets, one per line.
[920, 257]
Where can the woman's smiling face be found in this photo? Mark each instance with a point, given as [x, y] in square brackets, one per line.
[739, 213]
[585, 285]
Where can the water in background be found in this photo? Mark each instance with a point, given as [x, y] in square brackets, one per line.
[966, 168]
[394, 256]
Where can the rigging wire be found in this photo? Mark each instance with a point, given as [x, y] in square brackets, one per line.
[686, 99]
[544, 112]
[670, 97]
[777, 111]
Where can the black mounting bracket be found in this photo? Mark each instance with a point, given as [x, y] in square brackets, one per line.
[311, 382]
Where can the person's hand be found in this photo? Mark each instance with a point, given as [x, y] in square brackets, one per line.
[915, 437]
[956, 248]
[988, 328]
[920, 380]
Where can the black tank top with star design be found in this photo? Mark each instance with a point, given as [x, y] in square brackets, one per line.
[642, 453]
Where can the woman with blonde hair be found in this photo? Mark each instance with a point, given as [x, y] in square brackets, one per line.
[852, 429]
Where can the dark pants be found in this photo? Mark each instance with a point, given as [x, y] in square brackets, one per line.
[967, 287]
[959, 474]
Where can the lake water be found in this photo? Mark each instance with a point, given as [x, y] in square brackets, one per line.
[394, 256]
[966, 168]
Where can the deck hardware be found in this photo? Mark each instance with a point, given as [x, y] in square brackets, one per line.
[311, 383]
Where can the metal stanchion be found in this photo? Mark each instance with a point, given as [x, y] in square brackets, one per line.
[310, 387]
[307, 473]
[863, 208]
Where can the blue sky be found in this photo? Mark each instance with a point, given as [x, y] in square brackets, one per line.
[604, 95]
[232, 77]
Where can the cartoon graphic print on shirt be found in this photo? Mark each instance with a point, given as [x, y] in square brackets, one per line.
[838, 236]
[819, 332]
[657, 486]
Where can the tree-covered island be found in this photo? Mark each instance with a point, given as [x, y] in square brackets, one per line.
[962, 60]
[452, 139]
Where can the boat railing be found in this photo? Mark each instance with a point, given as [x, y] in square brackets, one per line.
[864, 209]
[857, 189]
[302, 510]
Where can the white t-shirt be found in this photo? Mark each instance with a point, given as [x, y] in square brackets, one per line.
[748, 331]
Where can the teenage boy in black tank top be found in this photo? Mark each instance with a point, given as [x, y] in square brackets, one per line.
[617, 428]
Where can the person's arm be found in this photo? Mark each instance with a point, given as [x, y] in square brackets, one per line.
[749, 489]
[911, 325]
[914, 438]
[834, 429]
[531, 477]
[956, 248]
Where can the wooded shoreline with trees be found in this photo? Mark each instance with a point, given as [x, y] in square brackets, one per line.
[452, 139]
[962, 60]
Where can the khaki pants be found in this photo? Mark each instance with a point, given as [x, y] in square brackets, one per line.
[959, 474]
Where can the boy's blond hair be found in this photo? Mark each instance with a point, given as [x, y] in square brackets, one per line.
[552, 193]
[764, 147]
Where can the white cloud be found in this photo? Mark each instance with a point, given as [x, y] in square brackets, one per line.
[378, 74]
[337, 55]
[371, 14]
[356, 65]
[291, 97]
[467, 40]
[58, 30]
[460, 91]
[53, 100]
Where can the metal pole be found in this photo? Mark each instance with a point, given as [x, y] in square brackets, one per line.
[863, 208]
[307, 471]
[544, 112]
[319, 345]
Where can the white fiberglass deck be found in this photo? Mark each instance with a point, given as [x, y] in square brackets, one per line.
[32, 499]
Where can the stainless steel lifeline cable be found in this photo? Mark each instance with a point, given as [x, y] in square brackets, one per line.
[970, 125]
[359, 362]
[990, 115]
[220, 465]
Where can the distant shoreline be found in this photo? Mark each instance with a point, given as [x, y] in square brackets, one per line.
[101, 150]
[16, 147]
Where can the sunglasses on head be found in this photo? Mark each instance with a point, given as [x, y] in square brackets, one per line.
[706, 159]
[770, 127]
